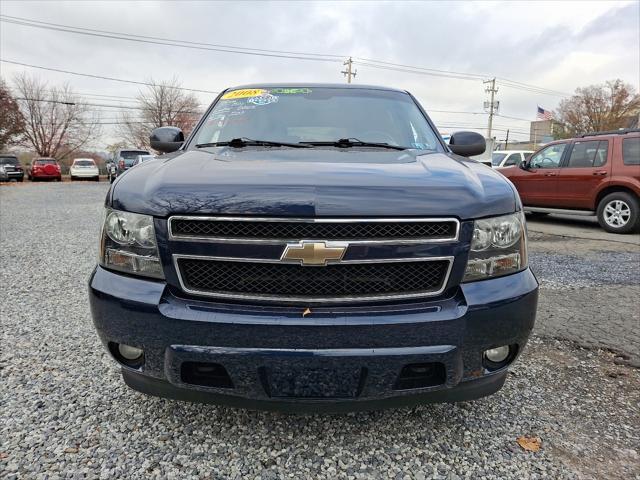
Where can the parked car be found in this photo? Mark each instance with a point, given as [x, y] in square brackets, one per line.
[84, 168]
[10, 168]
[595, 174]
[126, 158]
[44, 169]
[314, 248]
[509, 158]
[143, 158]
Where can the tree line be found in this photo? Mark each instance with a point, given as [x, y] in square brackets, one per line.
[599, 108]
[54, 121]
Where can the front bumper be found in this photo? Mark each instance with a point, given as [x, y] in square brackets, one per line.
[6, 176]
[335, 359]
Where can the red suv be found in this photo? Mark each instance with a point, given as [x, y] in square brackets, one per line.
[595, 174]
[44, 169]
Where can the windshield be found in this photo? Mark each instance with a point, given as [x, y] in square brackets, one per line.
[294, 115]
[497, 158]
[9, 161]
[84, 163]
[45, 161]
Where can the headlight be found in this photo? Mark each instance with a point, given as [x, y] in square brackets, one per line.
[498, 247]
[129, 244]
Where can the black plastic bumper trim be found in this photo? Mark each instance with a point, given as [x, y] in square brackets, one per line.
[469, 390]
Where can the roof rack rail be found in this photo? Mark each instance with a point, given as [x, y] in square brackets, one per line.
[611, 132]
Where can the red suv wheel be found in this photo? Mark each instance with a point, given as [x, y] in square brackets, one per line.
[619, 212]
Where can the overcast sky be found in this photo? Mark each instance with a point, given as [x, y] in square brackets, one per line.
[553, 45]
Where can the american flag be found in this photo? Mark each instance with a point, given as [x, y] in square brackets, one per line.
[544, 114]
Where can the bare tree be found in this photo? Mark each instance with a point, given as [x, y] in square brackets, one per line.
[56, 123]
[160, 105]
[11, 123]
[595, 108]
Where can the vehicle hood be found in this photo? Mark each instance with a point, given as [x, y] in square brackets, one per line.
[314, 182]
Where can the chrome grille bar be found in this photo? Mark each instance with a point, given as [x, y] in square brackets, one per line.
[444, 229]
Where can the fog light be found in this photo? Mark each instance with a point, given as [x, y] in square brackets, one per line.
[128, 352]
[498, 354]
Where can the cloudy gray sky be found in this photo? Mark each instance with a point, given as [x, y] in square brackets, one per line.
[553, 45]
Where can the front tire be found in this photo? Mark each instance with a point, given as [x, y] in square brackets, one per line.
[619, 212]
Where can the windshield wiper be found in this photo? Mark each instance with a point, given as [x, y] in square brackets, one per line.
[354, 142]
[248, 142]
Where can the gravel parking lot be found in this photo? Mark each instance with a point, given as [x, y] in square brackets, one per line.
[67, 414]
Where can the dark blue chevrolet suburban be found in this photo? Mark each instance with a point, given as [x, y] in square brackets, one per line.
[314, 248]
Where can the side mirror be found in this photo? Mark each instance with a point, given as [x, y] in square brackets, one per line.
[166, 139]
[467, 144]
[524, 165]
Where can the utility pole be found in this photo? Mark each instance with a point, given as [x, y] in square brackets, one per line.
[348, 72]
[492, 105]
[506, 141]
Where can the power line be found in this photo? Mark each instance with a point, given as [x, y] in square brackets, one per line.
[480, 127]
[105, 78]
[458, 111]
[114, 98]
[165, 42]
[456, 75]
[474, 76]
[367, 62]
[23, 19]
[514, 118]
[71, 102]
[413, 70]
[82, 94]
[533, 88]
[117, 98]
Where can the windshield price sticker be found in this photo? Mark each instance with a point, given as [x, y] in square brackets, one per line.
[290, 91]
[253, 92]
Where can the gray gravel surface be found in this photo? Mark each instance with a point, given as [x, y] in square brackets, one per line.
[589, 291]
[66, 413]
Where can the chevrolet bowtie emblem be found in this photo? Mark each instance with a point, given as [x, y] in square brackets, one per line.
[314, 253]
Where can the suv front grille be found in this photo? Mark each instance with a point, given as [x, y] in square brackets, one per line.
[294, 283]
[282, 230]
